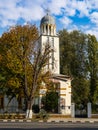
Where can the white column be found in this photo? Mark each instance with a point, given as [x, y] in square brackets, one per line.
[45, 29]
[54, 30]
[48, 29]
[40, 98]
[89, 110]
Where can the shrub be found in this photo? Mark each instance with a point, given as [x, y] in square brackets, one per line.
[43, 115]
[35, 108]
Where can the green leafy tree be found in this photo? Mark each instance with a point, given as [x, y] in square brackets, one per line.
[50, 99]
[93, 67]
[80, 91]
[78, 66]
[16, 49]
[73, 62]
[66, 52]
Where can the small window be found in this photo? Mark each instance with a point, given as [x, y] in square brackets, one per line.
[47, 39]
[49, 30]
[52, 42]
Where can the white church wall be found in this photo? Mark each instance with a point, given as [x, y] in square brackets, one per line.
[65, 95]
[56, 55]
[54, 42]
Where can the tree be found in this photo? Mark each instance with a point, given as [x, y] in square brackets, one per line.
[73, 62]
[80, 93]
[16, 49]
[93, 67]
[39, 74]
[23, 63]
[66, 52]
[50, 101]
[78, 66]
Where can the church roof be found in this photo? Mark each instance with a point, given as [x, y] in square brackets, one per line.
[47, 19]
[61, 77]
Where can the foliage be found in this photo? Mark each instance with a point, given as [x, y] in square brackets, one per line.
[81, 90]
[93, 67]
[35, 108]
[66, 52]
[79, 59]
[95, 108]
[15, 50]
[23, 62]
[50, 101]
[73, 49]
[43, 115]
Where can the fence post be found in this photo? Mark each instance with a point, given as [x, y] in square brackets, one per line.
[73, 110]
[89, 110]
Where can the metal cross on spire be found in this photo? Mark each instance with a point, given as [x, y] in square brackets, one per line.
[47, 11]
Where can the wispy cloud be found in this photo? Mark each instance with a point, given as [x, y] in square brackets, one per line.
[94, 17]
[92, 32]
[66, 21]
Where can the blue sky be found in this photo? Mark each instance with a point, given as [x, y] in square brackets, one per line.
[69, 14]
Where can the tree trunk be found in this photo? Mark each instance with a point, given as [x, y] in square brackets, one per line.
[29, 110]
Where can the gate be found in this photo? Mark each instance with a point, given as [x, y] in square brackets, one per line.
[80, 110]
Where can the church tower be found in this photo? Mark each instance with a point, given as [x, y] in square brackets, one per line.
[48, 36]
[63, 83]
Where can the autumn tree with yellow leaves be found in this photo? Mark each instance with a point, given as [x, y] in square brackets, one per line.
[22, 64]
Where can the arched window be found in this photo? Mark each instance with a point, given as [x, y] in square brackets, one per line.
[49, 30]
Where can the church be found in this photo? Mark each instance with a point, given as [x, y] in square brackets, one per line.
[48, 34]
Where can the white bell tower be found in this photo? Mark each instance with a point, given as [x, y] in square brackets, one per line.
[48, 35]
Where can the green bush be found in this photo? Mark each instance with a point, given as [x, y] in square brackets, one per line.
[35, 108]
[50, 102]
[43, 115]
[95, 108]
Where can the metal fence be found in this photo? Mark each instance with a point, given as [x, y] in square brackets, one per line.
[12, 109]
